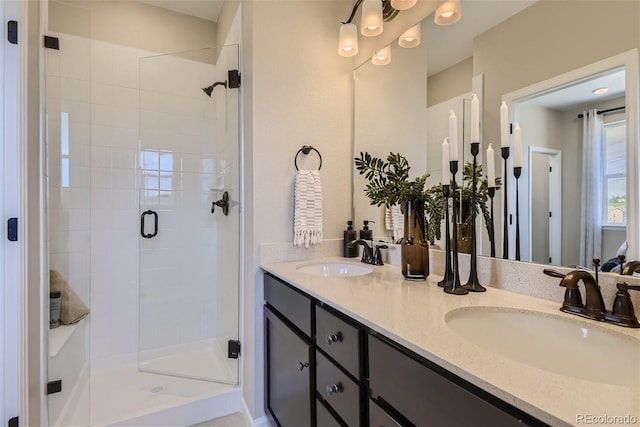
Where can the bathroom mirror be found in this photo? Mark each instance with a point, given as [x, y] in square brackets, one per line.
[508, 56]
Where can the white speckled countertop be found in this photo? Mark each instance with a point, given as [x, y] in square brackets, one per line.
[413, 314]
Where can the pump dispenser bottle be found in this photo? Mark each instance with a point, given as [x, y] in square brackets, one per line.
[349, 235]
[365, 233]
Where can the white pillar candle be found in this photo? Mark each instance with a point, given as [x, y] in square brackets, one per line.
[504, 125]
[446, 172]
[453, 136]
[475, 119]
[517, 146]
[491, 168]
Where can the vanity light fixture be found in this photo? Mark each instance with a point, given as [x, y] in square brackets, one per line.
[403, 4]
[382, 57]
[374, 13]
[348, 44]
[371, 20]
[600, 91]
[449, 13]
[411, 37]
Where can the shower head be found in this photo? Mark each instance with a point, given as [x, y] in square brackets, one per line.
[209, 89]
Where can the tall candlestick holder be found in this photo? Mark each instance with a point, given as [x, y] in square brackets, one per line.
[455, 288]
[473, 284]
[447, 281]
[492, 234]
[505, 218]
[516, 173]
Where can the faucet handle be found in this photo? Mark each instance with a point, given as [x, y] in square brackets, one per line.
[377, 258]
[622, 312]
[553, 273]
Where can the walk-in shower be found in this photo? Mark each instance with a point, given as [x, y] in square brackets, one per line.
[136, 158]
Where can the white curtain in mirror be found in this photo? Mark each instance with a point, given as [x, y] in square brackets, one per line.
[591, 219]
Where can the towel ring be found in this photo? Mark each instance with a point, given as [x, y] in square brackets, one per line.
[306, 149]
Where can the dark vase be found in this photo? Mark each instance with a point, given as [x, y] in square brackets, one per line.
[414, 248]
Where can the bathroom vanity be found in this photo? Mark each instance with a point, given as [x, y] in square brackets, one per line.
[374, 349]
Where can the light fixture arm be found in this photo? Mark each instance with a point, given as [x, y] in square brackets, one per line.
[353, 12]
[388, 11]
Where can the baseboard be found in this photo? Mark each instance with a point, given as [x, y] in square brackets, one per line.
[262, 421]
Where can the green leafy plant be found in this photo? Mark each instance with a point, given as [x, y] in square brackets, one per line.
[436, 212]
[388, 180]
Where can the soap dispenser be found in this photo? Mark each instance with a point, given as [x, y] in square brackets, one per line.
[365, 233]
[349, 235]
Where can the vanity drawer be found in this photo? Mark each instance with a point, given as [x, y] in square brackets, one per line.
[324, 418]
[338, 390]
[290, 303]
[338, 339]
[426, 397]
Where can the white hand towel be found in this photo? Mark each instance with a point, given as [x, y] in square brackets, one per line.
[397, 221]
[307, 209]
[388, 219]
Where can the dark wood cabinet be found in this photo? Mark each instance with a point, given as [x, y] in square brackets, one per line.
[425, 397]
[325, 369]
[288, 369]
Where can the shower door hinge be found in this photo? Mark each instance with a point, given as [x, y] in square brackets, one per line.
[52, 42]
[233, 349]
[233, 79]
[12, 32]
[54, 386]
[12, 229]
[13, 422]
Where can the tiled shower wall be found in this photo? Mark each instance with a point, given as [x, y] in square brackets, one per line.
[99, 83]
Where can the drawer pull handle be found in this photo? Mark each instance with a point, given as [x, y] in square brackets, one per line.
[334, 388]
[337, 337]
[302, 365]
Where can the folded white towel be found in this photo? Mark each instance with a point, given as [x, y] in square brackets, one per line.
[307, 209]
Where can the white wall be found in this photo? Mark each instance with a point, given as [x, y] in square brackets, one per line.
[297, 91]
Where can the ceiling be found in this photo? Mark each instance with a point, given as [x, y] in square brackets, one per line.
[205, 9]
[582, 93]
[448, 45]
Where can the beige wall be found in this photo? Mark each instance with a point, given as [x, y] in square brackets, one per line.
[549, 38]
[389, 117]
[451, 82]
[296, 91]
[133, 24]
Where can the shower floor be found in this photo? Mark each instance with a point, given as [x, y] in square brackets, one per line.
[125, 396]
[206, 360]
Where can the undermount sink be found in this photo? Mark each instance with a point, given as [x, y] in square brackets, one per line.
[335, 269]
[554, 343]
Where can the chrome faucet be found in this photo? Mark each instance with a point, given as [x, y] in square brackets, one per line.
[594, 308]
[367, 252]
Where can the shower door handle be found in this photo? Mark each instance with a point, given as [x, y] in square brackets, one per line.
[223, 203]
[155, 224]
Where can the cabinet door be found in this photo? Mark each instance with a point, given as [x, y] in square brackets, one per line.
[288, 365]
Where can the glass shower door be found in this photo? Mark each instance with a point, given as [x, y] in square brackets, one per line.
[68, 177]
[189, 215]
